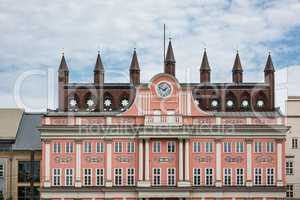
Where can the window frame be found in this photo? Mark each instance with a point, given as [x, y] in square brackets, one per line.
[240, 177]
[156, 147]
[289, 167]
[239, 147]
[197, 176]
[156, 177]
[270, 176]
[171, 177]
[118, 147]
[87, 177]
[196, 147]
[258, 177]
[130, 176]
[227, 147]
[227, 176]
[2, 171]
[118, 176]
[87, 147]
[69, 176]
[130, 147]
[56, 177]
[100, 147]
[209, 176]
[100, 179]
[69, 147]
[209, 146]
[171, 147]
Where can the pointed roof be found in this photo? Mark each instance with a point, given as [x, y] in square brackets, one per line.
[98, 65]
[170, 55]
[269, 64]
[204, 63]
[63, 64]
[237, 66]
[134, 62]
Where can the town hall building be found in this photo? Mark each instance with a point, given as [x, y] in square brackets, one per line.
[164, 139]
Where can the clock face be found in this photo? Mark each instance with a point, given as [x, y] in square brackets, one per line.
[164, 89]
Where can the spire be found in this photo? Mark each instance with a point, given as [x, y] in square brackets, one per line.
[204, 63]
[63, 64]
[170, 54]
[134, 71]
[237, 63]
[170, 60]
[237, 70]
[98, 65]
[134, 62]
[269, 64]
[204, 69]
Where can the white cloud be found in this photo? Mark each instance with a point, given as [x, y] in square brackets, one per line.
[32, 32]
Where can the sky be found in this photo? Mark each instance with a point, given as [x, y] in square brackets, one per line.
[34, 33]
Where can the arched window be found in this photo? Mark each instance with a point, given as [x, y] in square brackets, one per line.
[231, 101]
[124, 101]
[107, 102]
[90, 102]
[245, 101]
[260, 101]
[74, 102]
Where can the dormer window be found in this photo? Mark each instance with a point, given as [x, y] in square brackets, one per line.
[107, 105]
[124, 104]
[90, 105]
[214, 103]
[260, 103]
[229, 103]
[245, 104]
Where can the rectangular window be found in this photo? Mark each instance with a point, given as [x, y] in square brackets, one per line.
[118, 176]
[227, 147]
[257, 176]
[130, 177]
[196, 176]
[171, 147]
[87, 147]
[24, 193]
[156, 147]
[69, 177]
[240, 176]
[270, 176]
[289, 167]
[270, 147]
[209, 176]
[257, 147]
[239, 147]
[118, 147]
[130, 147]
[56, 177]
[56, 148]
[171, 177]
[294, 143]
[100, 177]
[289, 191]
[196, 147]
[1, 170]
[227, 176]
[87, 176]
[69, 147]
[24, 171]
[100, 147]
[208, 147]
[156, 176]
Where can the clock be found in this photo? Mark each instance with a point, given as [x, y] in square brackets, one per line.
[164, 89]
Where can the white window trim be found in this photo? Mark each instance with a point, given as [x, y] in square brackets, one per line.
[236, 176]
[99, 175]
[153, 148]
[54, 150]
[197, 175]
[172, 175]
[84, 175]
[274, 178]
[84, 147]
[229, 144]
[237, 149]
[194, 146]
[72, 183]
[115, 148]
[170, 142]
[101, 145]
[267, 147]
[159, 176]
[128, 144]
[261, 175]
[69, 143]
[127, 175]
[212, 147]
[212, 175]
[231, 175]
[121, 175]
[53, 175]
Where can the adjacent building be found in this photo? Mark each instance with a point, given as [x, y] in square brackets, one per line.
[164, 139]
[20, 154]
[293, 148]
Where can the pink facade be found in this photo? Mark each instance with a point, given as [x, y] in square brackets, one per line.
[163, 148]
